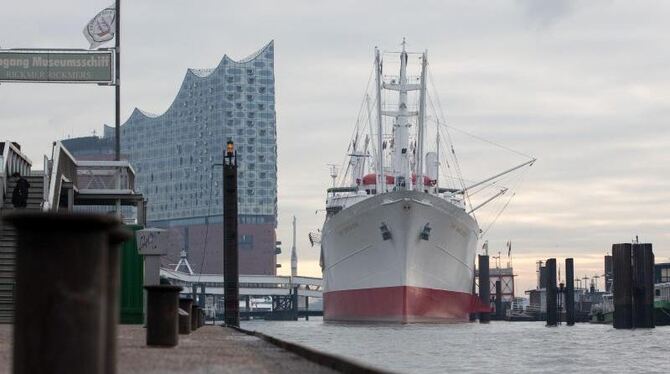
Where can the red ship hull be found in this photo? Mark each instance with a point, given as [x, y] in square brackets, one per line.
[402, 304]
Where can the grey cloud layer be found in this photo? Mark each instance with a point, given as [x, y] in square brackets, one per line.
[581, 85]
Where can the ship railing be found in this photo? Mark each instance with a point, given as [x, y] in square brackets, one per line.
[12, 160]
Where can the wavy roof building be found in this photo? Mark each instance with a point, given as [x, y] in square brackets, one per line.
[173, 154]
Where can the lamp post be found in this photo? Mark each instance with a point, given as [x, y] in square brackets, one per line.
[231, 289]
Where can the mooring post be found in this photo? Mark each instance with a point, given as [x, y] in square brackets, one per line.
[623, 279]
[306, 308]
[473, 314]
[163, 315]
[499, 307]
[194, 316]
[643, 288]
[116, 237]
[231, 292]
[203, 297]
[569, 291]
[552, 314]
[294, 303]
[61, 292]
[185, 319]
[484, 288]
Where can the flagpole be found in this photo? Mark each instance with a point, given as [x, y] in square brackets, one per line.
[117, 121]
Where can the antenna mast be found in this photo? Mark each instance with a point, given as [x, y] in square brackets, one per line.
[294, 255]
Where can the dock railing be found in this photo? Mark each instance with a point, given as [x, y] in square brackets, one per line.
[12, 160]
[91, 177]
[62, 168]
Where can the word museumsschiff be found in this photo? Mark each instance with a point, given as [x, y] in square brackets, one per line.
[55, 67]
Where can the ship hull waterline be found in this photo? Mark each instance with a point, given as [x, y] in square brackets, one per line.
[405, 277]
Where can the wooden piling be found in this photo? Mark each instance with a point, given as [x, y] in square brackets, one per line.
[643, 286]
[484, 287]
[570, 291]
[552, 314]
[623, 297]
[499, 308]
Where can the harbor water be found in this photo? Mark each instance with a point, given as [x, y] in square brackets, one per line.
[500, 347]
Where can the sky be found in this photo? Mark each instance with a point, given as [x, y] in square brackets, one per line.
[583, 86]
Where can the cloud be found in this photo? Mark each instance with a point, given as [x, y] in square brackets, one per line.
[546, 13]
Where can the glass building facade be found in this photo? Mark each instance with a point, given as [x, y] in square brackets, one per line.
[174, 156]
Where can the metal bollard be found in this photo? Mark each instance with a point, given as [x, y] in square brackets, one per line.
[116, 237]
[194, 317]
[162, 315]
[61, 287]
[201, 317]
[185, 320]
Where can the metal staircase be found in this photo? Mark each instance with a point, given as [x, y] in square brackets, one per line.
[8, 243]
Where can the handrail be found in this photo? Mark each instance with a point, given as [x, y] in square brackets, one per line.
[84, 175]
[63, 167]
[12, 160]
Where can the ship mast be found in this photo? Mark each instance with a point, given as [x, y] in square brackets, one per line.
[421, 125]
[401, 127]
[381, 178]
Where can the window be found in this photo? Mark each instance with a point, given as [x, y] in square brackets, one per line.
[665, 275]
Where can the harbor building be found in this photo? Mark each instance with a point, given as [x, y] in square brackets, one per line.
[175, 154]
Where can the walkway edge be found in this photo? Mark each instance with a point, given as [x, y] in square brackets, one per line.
[335, 362]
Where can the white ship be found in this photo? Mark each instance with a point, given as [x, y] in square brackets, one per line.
[395, 245]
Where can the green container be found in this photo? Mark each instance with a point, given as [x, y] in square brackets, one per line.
[132, 281]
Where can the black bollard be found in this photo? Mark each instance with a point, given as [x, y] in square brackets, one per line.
[570, 291]
[623, 279]
[116, 237]
[484, 288]
[162, 315]
[499, 308]
[552, 314]
[61, 290]
[185, 320]
[294, 302]
[201, 317]
[194, 316]
[643, 286]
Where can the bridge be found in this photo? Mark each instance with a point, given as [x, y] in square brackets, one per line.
[285, 293]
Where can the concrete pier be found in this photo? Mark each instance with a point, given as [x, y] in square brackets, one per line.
[210, 349]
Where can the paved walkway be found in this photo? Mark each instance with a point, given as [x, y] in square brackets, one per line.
[210, 349]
